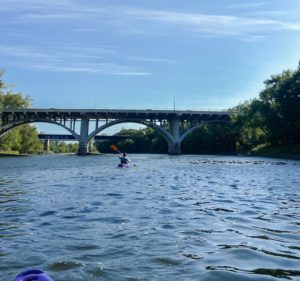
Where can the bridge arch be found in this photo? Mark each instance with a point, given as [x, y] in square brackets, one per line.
[13, 125]
[164, 133]
[190, 130]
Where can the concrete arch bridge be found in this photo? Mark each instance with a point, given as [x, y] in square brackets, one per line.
[85, 124]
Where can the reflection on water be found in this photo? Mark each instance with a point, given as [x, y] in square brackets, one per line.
[169, 218]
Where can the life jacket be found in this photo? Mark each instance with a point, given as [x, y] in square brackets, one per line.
[124, 160]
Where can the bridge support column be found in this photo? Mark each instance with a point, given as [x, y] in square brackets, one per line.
[83, 138]
[83, 149]
[46, 145]
[91, 143]
[175, 146]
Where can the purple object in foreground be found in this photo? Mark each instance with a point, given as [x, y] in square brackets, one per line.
[33, 275]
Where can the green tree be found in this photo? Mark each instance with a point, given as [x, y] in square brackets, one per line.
[281, 98]
[144, 140]
[249, 124]
[63, 147]
[11, 141]
[273, 118]
[22, 139]
[210, 138]
[11, 100]
[29, 140]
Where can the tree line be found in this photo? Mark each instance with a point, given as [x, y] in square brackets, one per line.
[270, 120]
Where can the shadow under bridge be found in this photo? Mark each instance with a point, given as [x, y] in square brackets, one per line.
[60, 137]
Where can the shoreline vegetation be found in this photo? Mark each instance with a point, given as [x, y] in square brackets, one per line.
[12, 154]
[289, 152]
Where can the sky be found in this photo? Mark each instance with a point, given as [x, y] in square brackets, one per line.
[138, 54]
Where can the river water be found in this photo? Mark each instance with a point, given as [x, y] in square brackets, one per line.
[169, 218]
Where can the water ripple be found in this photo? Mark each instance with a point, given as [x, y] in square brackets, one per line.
[174, 218]
[64, 265]
[279, 273]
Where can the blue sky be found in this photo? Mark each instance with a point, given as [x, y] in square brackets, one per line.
[209, 54]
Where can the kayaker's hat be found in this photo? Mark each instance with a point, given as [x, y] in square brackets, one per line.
[33, 275]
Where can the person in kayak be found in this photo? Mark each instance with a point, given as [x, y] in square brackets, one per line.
[124, 160]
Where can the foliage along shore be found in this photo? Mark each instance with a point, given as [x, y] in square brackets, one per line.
[272, 152]
[287, 152]
[11, 154]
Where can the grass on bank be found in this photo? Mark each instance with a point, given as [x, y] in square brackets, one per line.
[288, 152]
[10, 153]
[291, 152]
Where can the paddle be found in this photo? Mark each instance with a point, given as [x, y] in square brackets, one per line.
[113, 147]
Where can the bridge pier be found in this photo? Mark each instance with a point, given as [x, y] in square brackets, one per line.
[83, 149]
[46, 145]
[83, 137]
[175, 146]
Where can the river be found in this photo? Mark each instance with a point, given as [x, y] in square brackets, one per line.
[168, 218]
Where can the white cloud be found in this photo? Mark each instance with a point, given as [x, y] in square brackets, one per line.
[68, 59]
[104, 68]
[247, 5]
[252, 38]
[27, 5]
[136, 20]
[132, 73]
[213, 24]
[153, 60]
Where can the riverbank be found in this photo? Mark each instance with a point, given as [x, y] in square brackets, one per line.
[17, 154]
[11, 154]
[274, 152]
[287, 152]
[14, 154]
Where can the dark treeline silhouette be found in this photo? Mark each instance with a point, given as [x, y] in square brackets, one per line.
[144, 140]
[206, 139]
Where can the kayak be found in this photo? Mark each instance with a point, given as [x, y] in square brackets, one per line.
[33, 275]
[124, 165]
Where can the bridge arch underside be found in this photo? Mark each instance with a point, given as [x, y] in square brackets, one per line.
[164, 133]
[191, 129]
[174, 135]
[16, 124]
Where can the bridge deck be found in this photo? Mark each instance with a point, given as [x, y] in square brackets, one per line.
[118, 113]
[63, 137]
